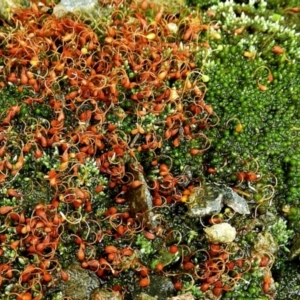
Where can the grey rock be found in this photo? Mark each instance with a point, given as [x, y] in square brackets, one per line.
[235, 201]
[140, 199]
[84, 8]
[204, 201]
[160, 287]
[210, 198]
[103, 294]
[80, 285]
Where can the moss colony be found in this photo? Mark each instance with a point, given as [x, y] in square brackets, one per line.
[151, 150]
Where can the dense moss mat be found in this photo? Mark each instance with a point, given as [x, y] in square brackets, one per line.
[255, 92]
[253, 85]
[198, 106]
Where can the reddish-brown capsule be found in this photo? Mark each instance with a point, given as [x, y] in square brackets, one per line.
[136, 183]
[144, 282]
[173, 249]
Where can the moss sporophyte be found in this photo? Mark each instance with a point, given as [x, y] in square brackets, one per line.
[128, 139]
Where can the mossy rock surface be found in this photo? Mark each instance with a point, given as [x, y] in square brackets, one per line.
[81, 283]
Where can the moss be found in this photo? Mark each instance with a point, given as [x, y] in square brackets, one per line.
[231, 120]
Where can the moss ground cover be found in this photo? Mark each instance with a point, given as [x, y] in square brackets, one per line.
[155, 104]
[259, 118]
